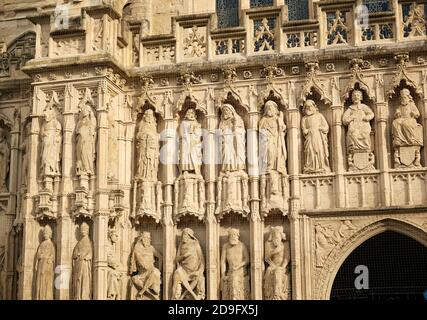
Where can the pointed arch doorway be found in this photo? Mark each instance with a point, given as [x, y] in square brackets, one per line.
[396, 269]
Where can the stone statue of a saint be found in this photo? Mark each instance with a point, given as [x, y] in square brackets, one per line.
[82, 266]
[234, 262]
[4, 160]
[407, 132]
[113, 150]
[2, 272]
[190, 268]
[315, 129]
[45, 266]
[277, 257]
[145, 276]
[357, 117]
[148, 147]
[24, 153]
[233, 140]
[190, 143]
[51, 142]
[86, 137]
[272, 131]
[114, 277]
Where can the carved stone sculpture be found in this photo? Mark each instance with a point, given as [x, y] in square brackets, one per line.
[273, 156]
[315, 129]
[233, 180]
[189, 187]
[190, 266]
[86, 137]
[234, 262]
[82, 266]
[51, 141]
[148, 147]
[112, 146]
[359, 150]
[4, 160]
[147, 164]
[145, 276]
[114, 277]
[2, 272]
[407, 132]
[277, 256]
[24, 152]
[45, 267]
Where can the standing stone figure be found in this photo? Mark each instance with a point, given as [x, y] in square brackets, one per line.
[233, 140]
[51, 142]
[114, 276]
[24, 151]
[190, 268]
[315, 129]
[82, 266]
[272, 145]
[277, 257]
[190, 142]
[145, 276]
[234, 261]
[45, 266]
[148, 147]
[357, 117]
[113, 150]
[4, 160]
[407, 132]
[86, 137]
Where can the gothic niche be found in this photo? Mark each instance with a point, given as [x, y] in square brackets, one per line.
[277, 277]
[5, 128]
[86, 137]
[147, 186]
[190, 185]
[82, 258]
[44, 266]
[145, 268]
[273, 157]
[51, 154]
[232, 183]
[358, 119]
[407, 132]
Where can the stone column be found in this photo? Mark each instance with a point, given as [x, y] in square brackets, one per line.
[382, 141]
[212, 226]
[169, 250]
[64, 230]
[256, 224]
[294, 156]
[100, 225]
[338, 141]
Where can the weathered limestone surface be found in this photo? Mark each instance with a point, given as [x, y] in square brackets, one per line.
[158, 150]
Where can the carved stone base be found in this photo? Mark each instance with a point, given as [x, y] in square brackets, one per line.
[407, 157]
[360, 160]
[274, 188]
[45, 206]
[233, 193]
[189, 196]
[81, 206]
[149, 200]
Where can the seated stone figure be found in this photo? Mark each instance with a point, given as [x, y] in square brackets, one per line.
[277, 257]
[234, 262]
[145, 276]
[190, 267]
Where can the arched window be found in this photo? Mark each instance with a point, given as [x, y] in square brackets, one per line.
[297, 9]
[228, 13]
[261, 3]
[377, 5]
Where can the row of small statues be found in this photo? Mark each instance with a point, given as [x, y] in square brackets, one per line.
[188, 277]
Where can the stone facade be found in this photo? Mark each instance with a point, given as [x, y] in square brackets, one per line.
[146, 153]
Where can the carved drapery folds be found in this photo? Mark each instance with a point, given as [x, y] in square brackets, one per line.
[235, 283]
[145, 276]
[44, 267]
[357, 118]
[277, 278]
[4, 157]
[114, 276]
[148, 187]
[407, 133]
[50, 159]
[82, 265]
[232, 183]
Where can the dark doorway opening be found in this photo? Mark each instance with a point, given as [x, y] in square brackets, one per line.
[397, 270]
